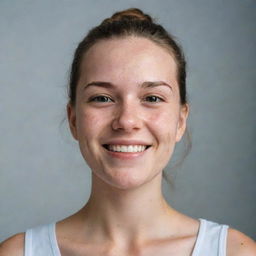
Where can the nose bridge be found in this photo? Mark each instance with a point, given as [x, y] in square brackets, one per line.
[127, 115]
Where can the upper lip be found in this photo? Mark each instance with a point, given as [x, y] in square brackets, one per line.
[127, 142]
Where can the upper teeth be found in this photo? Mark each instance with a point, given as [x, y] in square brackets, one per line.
[127, 148]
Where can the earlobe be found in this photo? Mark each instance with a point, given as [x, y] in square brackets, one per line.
[182, 124]
[72, 120]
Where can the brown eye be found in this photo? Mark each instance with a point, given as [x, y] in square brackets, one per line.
[153, 99]
[101, 98]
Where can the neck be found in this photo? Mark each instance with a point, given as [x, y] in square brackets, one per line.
[127, 215]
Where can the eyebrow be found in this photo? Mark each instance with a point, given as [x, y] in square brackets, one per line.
[146, 84]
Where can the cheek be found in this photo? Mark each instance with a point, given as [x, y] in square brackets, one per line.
[164, 127]
[88, 123]
[88, 129]
[164, 123]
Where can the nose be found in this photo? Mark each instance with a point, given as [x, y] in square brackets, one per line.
[127, 118]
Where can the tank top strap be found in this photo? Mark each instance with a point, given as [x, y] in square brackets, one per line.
[211, 239]
[223, 240]
[28, 242]
[41, 241]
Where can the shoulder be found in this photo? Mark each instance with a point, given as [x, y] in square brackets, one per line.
[13, 246]
[238, 244]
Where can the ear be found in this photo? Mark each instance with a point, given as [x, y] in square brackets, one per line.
[182, 123]
[71, 113]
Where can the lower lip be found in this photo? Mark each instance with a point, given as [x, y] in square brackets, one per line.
[126, 155]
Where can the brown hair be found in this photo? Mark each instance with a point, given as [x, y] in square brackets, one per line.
[132, 22]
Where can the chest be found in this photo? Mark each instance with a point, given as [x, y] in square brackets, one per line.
[177, 247]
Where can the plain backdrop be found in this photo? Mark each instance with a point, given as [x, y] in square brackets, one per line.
[43, 177]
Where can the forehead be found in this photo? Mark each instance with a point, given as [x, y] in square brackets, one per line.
[129, 59]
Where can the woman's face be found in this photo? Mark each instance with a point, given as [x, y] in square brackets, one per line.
[127, 116]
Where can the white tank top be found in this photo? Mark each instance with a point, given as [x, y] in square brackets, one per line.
[211, 240]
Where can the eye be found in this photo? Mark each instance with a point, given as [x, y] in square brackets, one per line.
[100, 98]
[153, 98]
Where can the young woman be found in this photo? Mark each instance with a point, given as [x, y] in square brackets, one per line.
[127, 109]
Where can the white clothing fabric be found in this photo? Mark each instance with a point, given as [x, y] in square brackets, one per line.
[211, 240]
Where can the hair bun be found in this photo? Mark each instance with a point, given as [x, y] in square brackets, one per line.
[130, 14]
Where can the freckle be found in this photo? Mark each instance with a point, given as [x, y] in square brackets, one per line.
[242, 243]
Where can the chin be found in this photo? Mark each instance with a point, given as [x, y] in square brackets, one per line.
[126, 185]
[126, 179]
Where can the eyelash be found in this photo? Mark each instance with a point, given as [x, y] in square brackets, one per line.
[106, 99]
[157, 98]
[96, 98]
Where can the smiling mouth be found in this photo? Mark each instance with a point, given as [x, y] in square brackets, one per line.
[126, 148]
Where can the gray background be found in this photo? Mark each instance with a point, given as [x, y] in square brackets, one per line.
[43, 176]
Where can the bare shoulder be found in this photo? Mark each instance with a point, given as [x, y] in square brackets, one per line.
[13, 246]
[238, 244]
